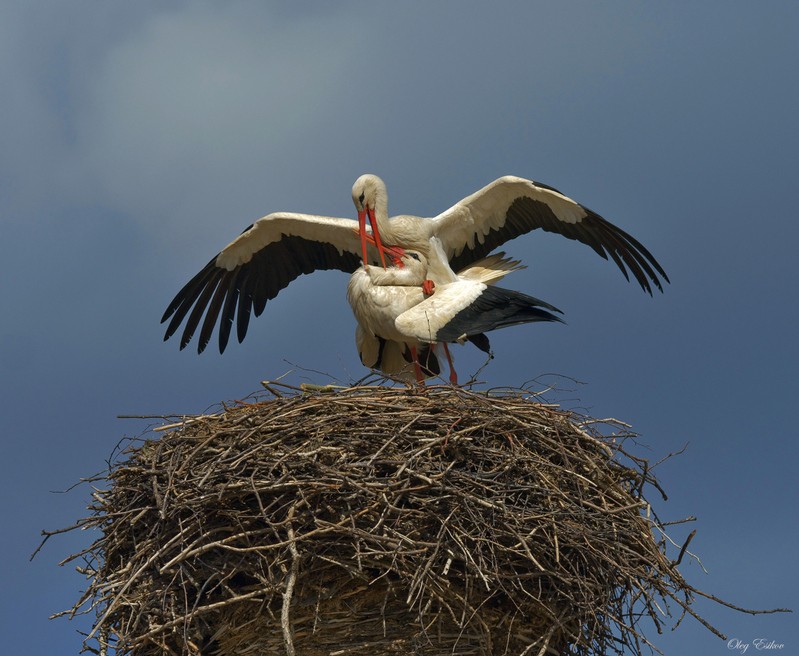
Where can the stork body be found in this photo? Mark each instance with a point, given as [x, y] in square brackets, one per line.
[394, 310]
[278, 248]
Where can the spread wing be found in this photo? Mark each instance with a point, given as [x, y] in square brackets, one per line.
[254, 267]
[511, 206]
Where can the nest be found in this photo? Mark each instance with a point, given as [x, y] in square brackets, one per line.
[375, 520]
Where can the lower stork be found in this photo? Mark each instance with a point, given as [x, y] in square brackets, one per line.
[420, 302]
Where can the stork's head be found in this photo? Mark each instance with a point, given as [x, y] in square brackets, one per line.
[368, 191]
[413, 260]
[371, 200]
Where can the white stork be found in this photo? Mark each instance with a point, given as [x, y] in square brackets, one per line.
[371, 298]
[420, 303]
[280, 247]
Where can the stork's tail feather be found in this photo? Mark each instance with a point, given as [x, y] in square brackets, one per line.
[496, 308]
[480, 341]
[491, 269]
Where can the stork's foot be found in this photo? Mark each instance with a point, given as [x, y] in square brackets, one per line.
[428, 287]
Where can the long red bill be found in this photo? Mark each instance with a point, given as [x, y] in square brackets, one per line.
[396, 253]
[376, 233]
[362, 233]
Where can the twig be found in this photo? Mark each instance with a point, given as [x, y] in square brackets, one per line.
[684, 547]
[285, 613]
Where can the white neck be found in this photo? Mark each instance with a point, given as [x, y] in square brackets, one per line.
[381, 208]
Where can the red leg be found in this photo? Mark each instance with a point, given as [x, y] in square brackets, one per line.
[416, 366]
[453, 375]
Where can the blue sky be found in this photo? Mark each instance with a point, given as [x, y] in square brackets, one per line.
[138, 139]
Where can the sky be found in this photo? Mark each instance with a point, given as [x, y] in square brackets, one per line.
[137, 139]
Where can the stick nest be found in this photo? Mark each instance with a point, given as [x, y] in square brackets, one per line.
[377, 520]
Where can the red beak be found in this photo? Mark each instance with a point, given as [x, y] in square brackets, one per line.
[362, 233]
[396, 253]
[362, 214]
[378, 243]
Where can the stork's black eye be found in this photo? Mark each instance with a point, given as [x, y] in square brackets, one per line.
[361, 198]
[415, 256]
